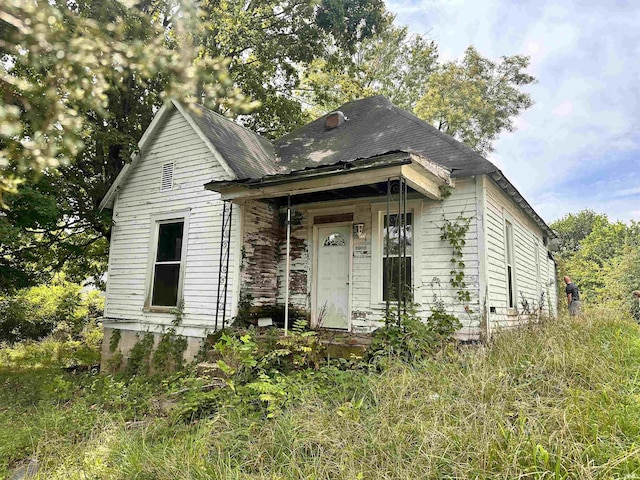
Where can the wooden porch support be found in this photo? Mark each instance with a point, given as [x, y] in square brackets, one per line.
[419, 174]
[287, 268]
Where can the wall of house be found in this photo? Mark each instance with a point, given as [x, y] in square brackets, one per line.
[137, 201]
[533, 270]
[261, 232]
[431, 258]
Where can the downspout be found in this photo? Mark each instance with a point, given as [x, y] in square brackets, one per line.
[287, 268]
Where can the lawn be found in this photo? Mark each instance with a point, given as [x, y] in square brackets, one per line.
[558, 400]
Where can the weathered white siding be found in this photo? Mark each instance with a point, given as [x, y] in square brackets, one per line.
[261, 232]
[437, 254]
[137, 201]
[431, 258]
[533, 270]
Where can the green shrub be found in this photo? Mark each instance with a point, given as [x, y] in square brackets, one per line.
[413, 339]
[53, 352]
[36, 312]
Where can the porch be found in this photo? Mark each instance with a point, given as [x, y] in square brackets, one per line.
[332, 245]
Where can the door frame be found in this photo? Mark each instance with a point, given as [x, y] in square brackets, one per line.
[314, 271]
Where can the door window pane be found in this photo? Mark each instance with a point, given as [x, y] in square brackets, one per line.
[334, 240]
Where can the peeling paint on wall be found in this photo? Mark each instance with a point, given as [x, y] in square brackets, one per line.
[261, 236]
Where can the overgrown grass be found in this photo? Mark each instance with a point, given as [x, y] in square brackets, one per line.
[560, 400]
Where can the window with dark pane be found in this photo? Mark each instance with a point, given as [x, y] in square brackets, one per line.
[166, 271]
[169, 242]
[509, 262]
[397, 236]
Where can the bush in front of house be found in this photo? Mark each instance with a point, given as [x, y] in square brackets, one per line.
[61, 309]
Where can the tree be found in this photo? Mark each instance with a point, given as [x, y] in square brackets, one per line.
[270, 42]
[475, 99]
[61, 59]
[573, 228]
[601, 257]
[78, 86]
[393, 63]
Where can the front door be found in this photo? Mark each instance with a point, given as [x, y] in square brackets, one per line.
[333, 268]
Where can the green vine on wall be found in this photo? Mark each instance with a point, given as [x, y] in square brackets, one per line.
[455, 231]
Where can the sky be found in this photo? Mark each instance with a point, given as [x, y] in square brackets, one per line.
[579, 145]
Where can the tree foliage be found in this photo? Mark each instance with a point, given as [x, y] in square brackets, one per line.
[475, 99]
[394, 64]
[269, 42]
[80, 81]
[601, 257]
[59, 63]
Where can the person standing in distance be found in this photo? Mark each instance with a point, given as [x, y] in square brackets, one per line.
[573, 297]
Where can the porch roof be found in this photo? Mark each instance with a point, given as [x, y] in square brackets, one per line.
[422, 175]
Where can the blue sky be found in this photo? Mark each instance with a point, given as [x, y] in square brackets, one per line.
[579, 145]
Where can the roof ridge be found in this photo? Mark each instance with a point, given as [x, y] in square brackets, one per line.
[457, 144]
[358, 100]
[232, 122]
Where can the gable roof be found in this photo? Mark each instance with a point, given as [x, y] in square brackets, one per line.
[248, 154]
[241, 152]
[375, 126]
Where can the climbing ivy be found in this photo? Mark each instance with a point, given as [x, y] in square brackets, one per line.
[169, 354]
[140, 355]
[114, 341]
[445, 191]
[179, 313]
[455, 231]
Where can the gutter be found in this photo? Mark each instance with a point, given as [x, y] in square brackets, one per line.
[507, 187]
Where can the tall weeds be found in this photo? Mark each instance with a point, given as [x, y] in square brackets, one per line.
[557, 400]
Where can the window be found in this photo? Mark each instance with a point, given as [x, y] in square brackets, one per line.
[391, 286]
[536, 245]
[167, 266]
[334, 240]
[509, 260]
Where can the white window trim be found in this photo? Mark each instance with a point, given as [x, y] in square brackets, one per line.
[156, 221]
[378, 210]
[506, 217]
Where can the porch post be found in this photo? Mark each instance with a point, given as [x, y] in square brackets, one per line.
[287, 268]
[387, 274]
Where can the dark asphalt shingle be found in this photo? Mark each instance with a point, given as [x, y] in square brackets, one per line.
[248, 154]
[375, 126]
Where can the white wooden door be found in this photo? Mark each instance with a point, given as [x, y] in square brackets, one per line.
[333, 270]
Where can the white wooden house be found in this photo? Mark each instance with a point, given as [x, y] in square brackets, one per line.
[200, 223]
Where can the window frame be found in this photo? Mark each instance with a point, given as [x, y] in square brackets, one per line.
[383, 256]
[156, 221]
[378, 211]
[509, 241]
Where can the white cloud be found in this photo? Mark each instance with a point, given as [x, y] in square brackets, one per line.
[627, 192]
[564, 109]
[584, 55]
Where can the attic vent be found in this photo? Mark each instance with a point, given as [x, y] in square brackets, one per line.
[167, 177]
[334, 120]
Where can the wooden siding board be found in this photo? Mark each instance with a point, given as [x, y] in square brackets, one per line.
[527, 240]
[140, 198]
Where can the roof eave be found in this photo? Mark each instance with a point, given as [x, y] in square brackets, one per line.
[381, 161]
[507, 187]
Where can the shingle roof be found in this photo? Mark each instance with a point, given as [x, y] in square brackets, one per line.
[248, 154]
[375, 126]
